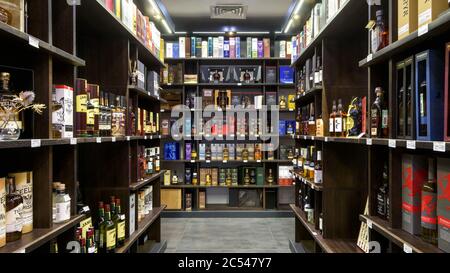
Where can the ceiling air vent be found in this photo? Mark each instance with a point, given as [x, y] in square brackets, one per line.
[236, 12]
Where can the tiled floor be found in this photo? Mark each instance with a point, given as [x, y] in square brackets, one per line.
[227, 235]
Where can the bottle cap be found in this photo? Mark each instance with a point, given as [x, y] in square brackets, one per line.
[100, 204]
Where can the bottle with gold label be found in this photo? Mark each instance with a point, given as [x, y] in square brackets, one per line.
[119, 221]
[94, 98]
[228, 179]
[110, 231]
[283, 103]
[226, 153]
[245, 154]
[14, 209]
[258, 153]
[175, 178]
[208, 179]
[290, 154]
[194, 153]
[90, 119]
[81, 107]
[270, 178]
[194, 178]
[311, 164]
[306, 163]
[247, 177]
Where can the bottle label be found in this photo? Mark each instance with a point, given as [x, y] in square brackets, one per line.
[111, 239]
[90, 117]
[121, 230]
[92, 249]
[316, 77]
[24, 187]
[62, 211]
[318, 176]
[102, 239]
[331, 125]
[429, 214]
[96, 104]
[320, 223]
[14, 221]
[82, 103]
[338, 125]
[384, 119]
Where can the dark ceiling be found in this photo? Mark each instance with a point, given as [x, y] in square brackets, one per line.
[194, 15]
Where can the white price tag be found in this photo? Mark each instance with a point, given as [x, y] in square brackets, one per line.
[314, 233]
[245, 161]
[258, 161]
[411, 145]
[326, 139]
[439, 146]
[20, 251]
[128, 138]
[159, 136]
[149, 94]
[162, 110]
[113, 139]
[145, 137]
[304, 137]
[369, 57]
[392, 143]
[99, 140]
[208, 161]
[35, 143]
[312, 138]
[73, 141]
[369, 142]
[407, 248]
[225, 161]
[151, 137]
[239, 84]
[34, 42]
[370, 224]
[423, 30]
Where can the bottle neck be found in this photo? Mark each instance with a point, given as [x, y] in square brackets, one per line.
[107, 216]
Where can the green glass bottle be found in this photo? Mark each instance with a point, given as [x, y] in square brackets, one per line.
[101, 227]
[119, 221]
[110, 231]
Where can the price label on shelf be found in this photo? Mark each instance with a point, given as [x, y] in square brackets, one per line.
[369, 57]
[34, 42]
[245, 161]
[369, 142]
[192, 161]
[225, 161]
[113, 139]
[411, 145]
[314, 233]
[369, 224]
[258, 161]
[208, 161]
[439, 146]
[145, 137]
[312, 138]
[326, 139]
[35, 143]
[149, 94]
[239, 84]
[99, 140]
[407, 248]
[392, 143]
[20, 251]
[423, 30]
[159, 136]
[73, 141]
[151, 137]
[128, 138]
[304, 137]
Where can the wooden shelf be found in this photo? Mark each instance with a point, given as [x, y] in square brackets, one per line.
[435, 28]
[142, 227]
[339, 25]
[146, 94]
[399, 236]
[228, 161]
[10, 34]
[234, 84]
[108, 23]
[328, 245]
[314, 186]
[40, 236]
[136, 186]
[309, 94]
[185, 186]
[225, 59]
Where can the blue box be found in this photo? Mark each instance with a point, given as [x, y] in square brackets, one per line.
[286, 75]
[290, 124]
[430, 95]
[171, 151]
[282, 128]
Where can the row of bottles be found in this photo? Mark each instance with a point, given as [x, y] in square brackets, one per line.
[310, 76]
[306, 123]
[110, 229]
[308, 163]
[148, 161]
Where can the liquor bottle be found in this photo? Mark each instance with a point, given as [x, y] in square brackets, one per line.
[383, 194]
[409, 109]
[247, 177]
[253, 177]
[290, 154]
[194, 178]
[423, 111]
[81, 107]
[321, 223]
[317, 73]
[290, 129]
[57, 120]
[208, 179]
[119, 221]
[379, 33]
[379, 115]
[311, 121]
[318, 168]
[108, 112]
[91, 246]
[332, 119]
[175, 178]
[228, 179]
[300, 161]
[226, 153]
[319, 126]
[283, 103]
[194, 153]
[14, 209]
[55, 186]
[298, 121]
[101, 232]
[90, 116]
[94, 98]
[429, 204]
[102, 115]
[258, 152]
[311, 164]
[53, 246]
[303, 81]
[299, 86]
[188, 176]
[62, 203]
[340, 121]
[150, 166]
[110, 231]
[270, 178]
[118, 118]
[208, 154]
[245, 154]
[401, 112]
[306, 164]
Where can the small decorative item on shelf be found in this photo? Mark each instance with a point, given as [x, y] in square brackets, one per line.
[11, 105]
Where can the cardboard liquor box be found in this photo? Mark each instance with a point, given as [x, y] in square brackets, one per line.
[260, 176]
[171, 198]
[407, 17]
[291, 102]
[266, 42]
[15, 12]
[188, 202]
[414, 175]
[214, 176]
[167, 177]
[429, 10]
[171, 151]
[63, 117]
[208, 97]
[443, 203]
[2, 212]
[202, 200]
[429, 87]
[203, 173]
[222, 176]
[141, 204]
[447, 92]
[24, 187]
[271, 74]
[132, 217]
[188, 148]
[201, 151]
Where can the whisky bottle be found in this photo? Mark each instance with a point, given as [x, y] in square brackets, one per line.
[258, 153]
[379, 35]
[119, 221]
[110, 231]
[332, 119]
[379, 115]
[226, 153]
[91, 246]
[108, 109]
[401, 112]
[245, 154]
[247, 177]
[306, 164]
[340, 121]
[194, 153]
[101, 228]
[283, 103]
[208, 153]
[311, 164]
[90, 116]
[290, 154]
[253, 177]
[14, 209]
[194, 178]
[81, 107]
[62, 203]
[321, 223]
[318, 168]
[423, 111]
[228, 179]
[175, 178]
[270, 178]
[53, 246]
[94, 95]
[311, 121]
[208, 179]
[409, 109]
[188, 176]
[303, 81]
[289, 129]
[429, 204]
[383, 194]
[317, 76]
[298, 121]
[102, 115]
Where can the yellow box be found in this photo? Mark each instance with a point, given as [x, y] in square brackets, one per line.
[291, 102]
[167, 177]
[171, 198]
[407, 17]
[429, 10]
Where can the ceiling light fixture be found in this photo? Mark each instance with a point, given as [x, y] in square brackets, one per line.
[168, 29]
[294, 15]
[208, 32]
[158, 16]
[253, 32]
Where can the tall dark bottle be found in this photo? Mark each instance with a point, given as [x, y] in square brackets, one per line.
[429, 205]
[110, 231]
[81, 107]
[379, 116]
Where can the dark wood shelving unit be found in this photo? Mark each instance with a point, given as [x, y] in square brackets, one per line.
[189, 186]
[136, 186]
[301, 178]
[399, 236]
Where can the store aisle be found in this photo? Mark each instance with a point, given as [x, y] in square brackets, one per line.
[227, 235]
